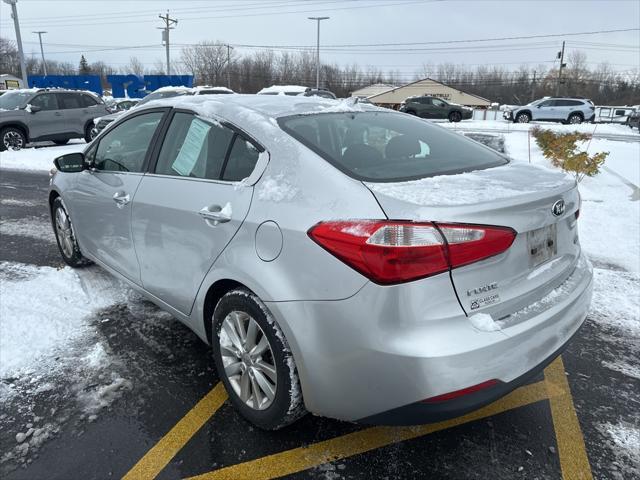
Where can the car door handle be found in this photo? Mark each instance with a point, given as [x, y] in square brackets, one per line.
[121, 199]
[214, 215]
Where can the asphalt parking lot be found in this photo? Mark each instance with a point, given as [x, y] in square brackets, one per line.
[170, 419]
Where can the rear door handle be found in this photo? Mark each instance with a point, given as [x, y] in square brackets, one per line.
[121, 199]
[214, 215]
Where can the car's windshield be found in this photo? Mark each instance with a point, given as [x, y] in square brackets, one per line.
[12, 100]
[165, 94]
[388, 147]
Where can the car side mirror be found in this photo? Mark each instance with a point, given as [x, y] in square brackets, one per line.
[34, 108]
[70, 163]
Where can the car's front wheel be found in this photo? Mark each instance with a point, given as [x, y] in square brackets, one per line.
[87, 133]
[254, 361]
[455, 117]
[523, 117]
[12, 138]
[65, 236]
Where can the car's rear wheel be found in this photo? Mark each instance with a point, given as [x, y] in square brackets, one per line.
[254, 361]
[65, 237]
[61, 142]
[12, 137]
[455, 117]
[574, 118]
[523, 117]
[411, 112]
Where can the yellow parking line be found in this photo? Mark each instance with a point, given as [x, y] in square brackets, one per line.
[302, 458]
[571, 450]
[162, 452]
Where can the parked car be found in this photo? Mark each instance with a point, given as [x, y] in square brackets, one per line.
[433, 107]
[121, 104]
[58, 115]
[164, 92]
[610, 114]
[633, 120]
[554, 109]
[363, 265]
[319, 92]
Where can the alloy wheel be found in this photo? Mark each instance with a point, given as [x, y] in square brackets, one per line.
[575, 119]
[248, 360]
[64, 232]
[13, 140]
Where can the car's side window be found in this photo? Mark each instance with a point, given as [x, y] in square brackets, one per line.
[124, 147]
[546, 103]
[194, 147]
[88, 101]
[242, 160]
[68, 101]
[425, 101]
[439, 103]
[46, 101]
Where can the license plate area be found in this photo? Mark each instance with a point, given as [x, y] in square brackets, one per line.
[542, 244]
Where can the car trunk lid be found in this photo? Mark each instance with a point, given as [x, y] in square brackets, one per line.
[523, 197]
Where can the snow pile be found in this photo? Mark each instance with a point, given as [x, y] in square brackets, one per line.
[276, 189]
[475, 187]
[282, 90]
[44, 309]
[484, 322]
[37, 158]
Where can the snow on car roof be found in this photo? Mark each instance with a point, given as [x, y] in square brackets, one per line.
[282, 89]
[267, 106]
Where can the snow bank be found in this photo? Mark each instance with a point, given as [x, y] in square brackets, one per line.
[37, 159]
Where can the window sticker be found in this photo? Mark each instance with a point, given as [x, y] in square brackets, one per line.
[192, 147]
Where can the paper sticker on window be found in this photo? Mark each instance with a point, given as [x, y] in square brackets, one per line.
[193, 147]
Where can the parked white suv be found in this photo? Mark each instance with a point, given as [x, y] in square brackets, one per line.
[554, 109]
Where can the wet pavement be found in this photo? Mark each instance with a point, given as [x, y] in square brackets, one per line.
[157, 372]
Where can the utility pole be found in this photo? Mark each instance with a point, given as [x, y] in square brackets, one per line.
[562, 65]
[168, 21]
[44, 64]
[16, 24]
[533, 87]
[318, 19]
[229, 48]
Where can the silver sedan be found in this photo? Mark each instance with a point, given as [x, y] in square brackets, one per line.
[339, 258]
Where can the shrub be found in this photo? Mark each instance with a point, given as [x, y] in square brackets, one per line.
[562, 151]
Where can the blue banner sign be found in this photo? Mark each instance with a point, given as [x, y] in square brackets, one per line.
[136, 86]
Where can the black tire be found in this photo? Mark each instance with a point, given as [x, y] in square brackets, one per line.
[287, 405]
[72, 256]
[411, 112]
[455, 117]
[12, 137]
[87, 132]
[522, 117]
[61, 142]
[575, 119]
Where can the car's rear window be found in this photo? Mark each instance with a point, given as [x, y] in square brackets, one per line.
[387, 146]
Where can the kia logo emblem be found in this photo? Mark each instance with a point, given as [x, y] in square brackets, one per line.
[558, 208]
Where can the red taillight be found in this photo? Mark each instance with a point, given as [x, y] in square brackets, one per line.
[389, 252]
[460, 393]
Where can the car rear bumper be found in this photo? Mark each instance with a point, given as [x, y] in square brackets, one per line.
[373, 357]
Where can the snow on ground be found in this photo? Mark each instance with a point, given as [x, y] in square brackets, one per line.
[33, 227]
[43, 309]
[38, 159]
[501, 125]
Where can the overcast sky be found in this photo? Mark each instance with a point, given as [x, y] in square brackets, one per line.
[101, 30]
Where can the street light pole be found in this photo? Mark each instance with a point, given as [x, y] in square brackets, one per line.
[14, 15]
[44, 64]
[318, 19]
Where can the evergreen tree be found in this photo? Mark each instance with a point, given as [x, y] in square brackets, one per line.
[83, 68]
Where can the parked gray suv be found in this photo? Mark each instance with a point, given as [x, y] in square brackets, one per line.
[554, 109]
[43, 114]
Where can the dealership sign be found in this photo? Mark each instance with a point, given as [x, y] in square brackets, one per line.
[136, 86]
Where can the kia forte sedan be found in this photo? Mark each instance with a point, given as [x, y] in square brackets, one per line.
[339, 258]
